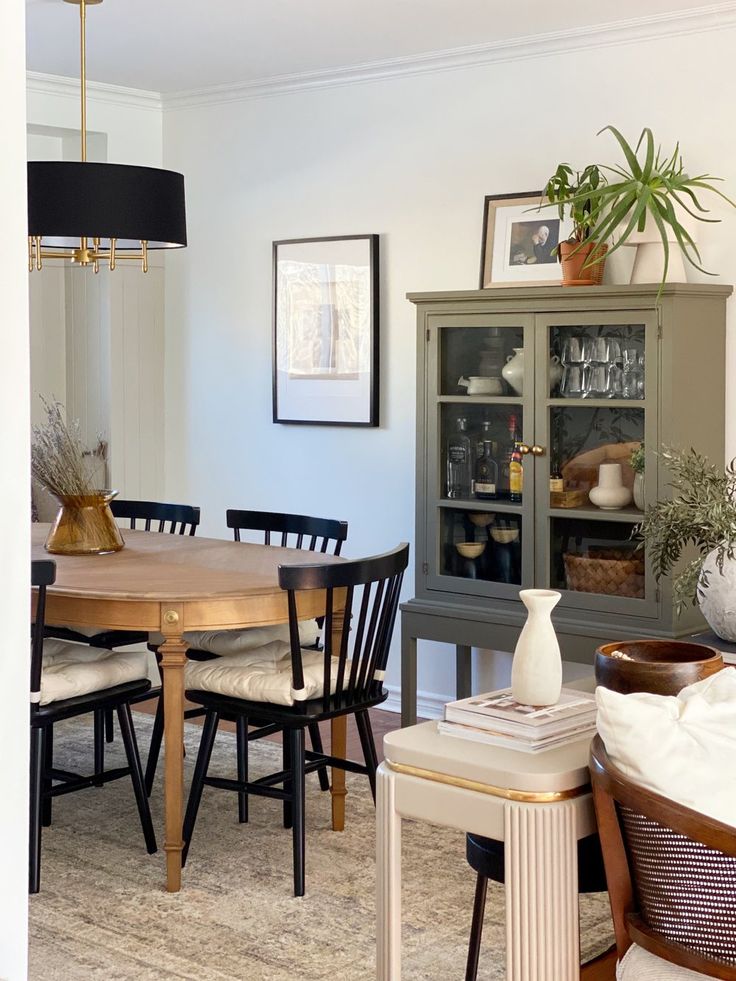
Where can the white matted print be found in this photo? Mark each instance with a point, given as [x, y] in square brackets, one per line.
[326, 331]
[520, 242]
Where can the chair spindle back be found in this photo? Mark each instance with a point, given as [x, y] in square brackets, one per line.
[181, 519]
[314, 534]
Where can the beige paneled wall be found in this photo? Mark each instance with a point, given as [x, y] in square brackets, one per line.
[48, 338]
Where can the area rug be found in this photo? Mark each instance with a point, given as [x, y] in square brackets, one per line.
[103, 913]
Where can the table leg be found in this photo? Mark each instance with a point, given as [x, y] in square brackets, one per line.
[388, 878]
[463, 671]
[173, 660]
[338, 741]
[542, 930]
[408, 675]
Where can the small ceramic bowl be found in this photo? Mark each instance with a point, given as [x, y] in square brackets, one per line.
[470, 550]
[480, 519]
[663, 667]
[504, 536]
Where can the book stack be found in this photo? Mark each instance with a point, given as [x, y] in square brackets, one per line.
[498, 720]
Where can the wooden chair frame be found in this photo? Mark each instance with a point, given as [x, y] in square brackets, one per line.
[612, 788]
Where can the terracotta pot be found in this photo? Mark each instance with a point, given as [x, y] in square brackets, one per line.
[662, 667]
[85, 525]
[573, 273]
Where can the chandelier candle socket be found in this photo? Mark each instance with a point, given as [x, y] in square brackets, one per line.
[93, 212]
[536, 674]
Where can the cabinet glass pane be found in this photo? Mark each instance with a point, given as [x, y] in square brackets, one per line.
[477, 355]
[480, 545]
[464, 429]
[596, 557]
[601, 361]
[584, 436]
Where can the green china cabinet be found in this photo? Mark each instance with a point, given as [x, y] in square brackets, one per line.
[580, 376]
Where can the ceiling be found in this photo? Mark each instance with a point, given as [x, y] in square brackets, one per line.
[175, 45]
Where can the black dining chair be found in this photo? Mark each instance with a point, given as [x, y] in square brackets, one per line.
[321, 535]
[63, 687]
[344, 678]
[486, 857]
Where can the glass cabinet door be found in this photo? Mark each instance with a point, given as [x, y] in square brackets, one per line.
[596, 404]
[480, 495]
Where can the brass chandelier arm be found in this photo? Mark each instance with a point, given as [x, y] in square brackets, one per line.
[85, 256]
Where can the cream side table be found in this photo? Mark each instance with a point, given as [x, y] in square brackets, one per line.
[539, 805]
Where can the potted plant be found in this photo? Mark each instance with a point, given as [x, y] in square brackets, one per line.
[701, 513]
[574, 194]
[637, 461]
[650, 192]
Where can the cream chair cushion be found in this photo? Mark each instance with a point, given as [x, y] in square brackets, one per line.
[682, 747]
[638, 964]
[261, 675]
[77, 669]
[226, 642]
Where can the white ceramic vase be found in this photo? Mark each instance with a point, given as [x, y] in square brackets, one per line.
[639, 492]
[611, 494]
[717, 600]
[536, 674]
[513, 371]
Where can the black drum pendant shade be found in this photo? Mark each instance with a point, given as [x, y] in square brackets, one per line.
[68, 201]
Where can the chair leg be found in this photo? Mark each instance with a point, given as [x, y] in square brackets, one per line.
[476, 930]
[36, 794]
[109, 731]
[365, 731]
[99, 744]
[127, 731]
[154, 750]
[286, 757]
[296, 745]
[241, 736]
[316, 737]
[48, 762]
[209, 731]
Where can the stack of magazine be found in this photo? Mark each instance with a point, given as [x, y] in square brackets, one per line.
[498, 720]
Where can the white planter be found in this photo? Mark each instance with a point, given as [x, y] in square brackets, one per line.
[536, 674]
[610, 494]
[649, 264]
[639, 491]
[717, 600]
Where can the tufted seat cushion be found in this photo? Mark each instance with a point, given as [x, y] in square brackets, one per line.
[261, 675]
[72, 669]
[227, 642]
[638, 964]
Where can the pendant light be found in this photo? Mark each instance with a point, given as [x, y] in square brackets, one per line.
[93, 212]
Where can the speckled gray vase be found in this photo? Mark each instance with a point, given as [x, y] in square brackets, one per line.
[717, 600]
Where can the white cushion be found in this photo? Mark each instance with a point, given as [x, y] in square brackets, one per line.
[227, 642]
[638, 964]
[682, 747]
[77, 669]
[84, 631]
[261, 675]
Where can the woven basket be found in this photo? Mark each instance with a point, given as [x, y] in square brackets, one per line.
[614, 572]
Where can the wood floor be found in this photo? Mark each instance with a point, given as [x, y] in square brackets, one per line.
[383, 722]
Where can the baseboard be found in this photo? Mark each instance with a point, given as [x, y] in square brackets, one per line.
[430, 705]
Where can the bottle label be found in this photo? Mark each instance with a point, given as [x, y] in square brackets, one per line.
[484, 488]
[556, 485]
[516, 477]
[457, 454]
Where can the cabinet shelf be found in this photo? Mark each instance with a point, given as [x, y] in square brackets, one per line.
[480, 399]
[483, 506]
[597, 403]
[631, 514]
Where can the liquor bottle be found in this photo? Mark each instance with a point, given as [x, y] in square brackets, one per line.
[516, 473]
[459, 462]
[508, 453]
[556, 483]
[485, 484]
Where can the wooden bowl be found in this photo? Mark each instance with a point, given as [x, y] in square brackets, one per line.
[663, 667]
[470, 550]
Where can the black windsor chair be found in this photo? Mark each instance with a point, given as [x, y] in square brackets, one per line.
[48, 782]
[349, 685]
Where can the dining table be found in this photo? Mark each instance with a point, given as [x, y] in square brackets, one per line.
[172, 584]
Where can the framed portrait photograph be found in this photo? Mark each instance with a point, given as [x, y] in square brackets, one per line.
[326, 331]
[519, 242]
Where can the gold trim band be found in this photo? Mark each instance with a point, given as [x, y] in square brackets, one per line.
[522, 796]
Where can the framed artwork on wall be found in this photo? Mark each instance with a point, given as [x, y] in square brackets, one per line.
[519, 242]
[326, 331]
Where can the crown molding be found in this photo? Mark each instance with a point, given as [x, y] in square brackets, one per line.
[117, 95]
[649, 28]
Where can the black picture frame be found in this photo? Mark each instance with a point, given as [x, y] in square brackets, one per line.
[367, 390]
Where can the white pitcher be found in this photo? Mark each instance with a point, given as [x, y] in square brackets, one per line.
[536, 674]
[513, 371]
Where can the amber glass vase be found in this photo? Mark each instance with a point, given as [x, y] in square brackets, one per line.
[85, 525]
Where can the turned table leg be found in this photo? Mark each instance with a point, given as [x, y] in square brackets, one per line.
[338, 742]
[173, 661]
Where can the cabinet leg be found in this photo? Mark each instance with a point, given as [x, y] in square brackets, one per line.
[463, 671]
[408, 676]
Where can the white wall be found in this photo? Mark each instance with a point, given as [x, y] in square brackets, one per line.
[14, 501]
[410, 158]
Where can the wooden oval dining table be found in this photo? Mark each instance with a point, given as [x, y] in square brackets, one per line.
[172, 584]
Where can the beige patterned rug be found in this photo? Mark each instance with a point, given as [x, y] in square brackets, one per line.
[103, 913]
